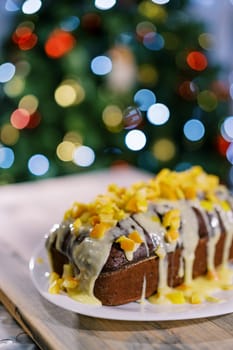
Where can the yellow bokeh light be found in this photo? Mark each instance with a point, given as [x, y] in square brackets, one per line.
[147, 74]
[74, 137]
[69, 93]
[112, 116]
[207, 100]
[29, 102]
[9, 135]
[14, 87]
[65, 151]
[152, 11]
[172, 41]
[164, 149]
[206, 41]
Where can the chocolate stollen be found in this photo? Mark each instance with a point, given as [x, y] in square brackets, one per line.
[131, 243]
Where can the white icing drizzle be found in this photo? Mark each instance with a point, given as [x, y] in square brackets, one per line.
[213, 240]
[227, 220]
[190, 237]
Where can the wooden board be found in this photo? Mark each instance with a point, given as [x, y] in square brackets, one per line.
[27, 211]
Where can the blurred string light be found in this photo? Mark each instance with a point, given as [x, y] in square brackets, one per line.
[38, 164]
[152, 11]
[135, 140]
[11, 6]
[194, 130]
[70, 23]
[164, 149]
[59, 43]
[14, 87]
[158, 114]
[101, 65]
[147, 74]
[104, 4]
[7, 71]
[9, 135]
[65, 151]
[197, 60]
[83, 156]
[229, 153]
[69, 93]
[20, 118]
[207, 100]
[7, 157]
[227, 129]
[24, 37]
[160, 2]
[153, 41]
[112, 117]
[144, 98]
[31, 6]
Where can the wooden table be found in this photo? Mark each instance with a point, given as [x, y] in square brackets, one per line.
[27, 212]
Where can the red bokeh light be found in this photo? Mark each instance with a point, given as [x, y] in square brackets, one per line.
[197, 60]
[222, 145]
[34, 120]
[59, 43]
[188, 90]
[20, 118]
[24, 38]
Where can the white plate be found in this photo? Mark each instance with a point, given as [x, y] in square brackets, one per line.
[39, 269]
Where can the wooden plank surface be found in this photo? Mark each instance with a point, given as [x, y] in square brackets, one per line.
[27, 211]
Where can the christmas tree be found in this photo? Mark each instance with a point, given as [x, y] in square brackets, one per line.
[91, 84]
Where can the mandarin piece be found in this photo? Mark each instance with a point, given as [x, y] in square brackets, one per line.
[144, 240]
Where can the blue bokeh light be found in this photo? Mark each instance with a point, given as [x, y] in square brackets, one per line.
[7, 157]
[144, 98]
[7, 71]
[194, 130]
[101, 65]
[38, 164]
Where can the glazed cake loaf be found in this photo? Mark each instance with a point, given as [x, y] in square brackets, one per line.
[131, 243]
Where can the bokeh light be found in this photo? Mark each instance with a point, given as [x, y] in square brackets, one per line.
[132, 117]
[160, 2]
[69, 93]
[144, 98]
[7, 71]
[11, 6]
[20, 118]
[188, 90]
[207, 100]
[70, 23]
[197, 60]
[153, 41]
[158, 114]
[112, 117]
[24, 36]
[59, 43]
[29, 102]
[38, 164]
[148, 74]
[229, 153]
[9, 135]
[31, 6]
[194, 130]
[14, 87]
[83, 156]
[206, 41]
[135, 140]
[101, 65]
[164, 149]
[65, 151]
[104, 4]
[227, 128]
[6, 157]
